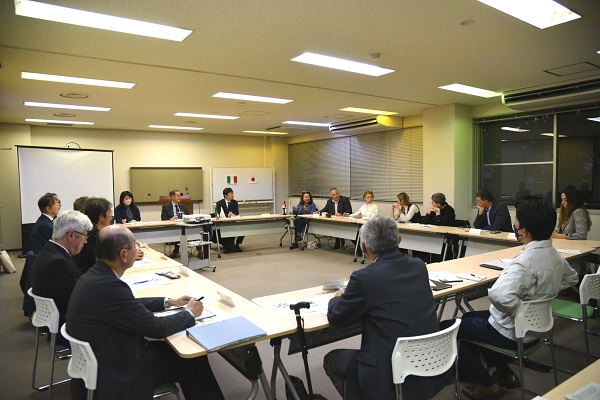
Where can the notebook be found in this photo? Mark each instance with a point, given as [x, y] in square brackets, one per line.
[221, 334]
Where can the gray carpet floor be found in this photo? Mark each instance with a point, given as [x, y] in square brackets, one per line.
[263, 268]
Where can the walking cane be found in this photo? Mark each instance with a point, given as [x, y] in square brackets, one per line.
[296, 308]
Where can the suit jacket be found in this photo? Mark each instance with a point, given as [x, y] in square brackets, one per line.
[344, 206]
[499, 218]
[233, 207]
[392, 298]
[104, 312]
[87, 256]
[167, 211]
[41, 233]
[54, 274]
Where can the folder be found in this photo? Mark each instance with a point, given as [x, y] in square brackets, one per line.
[221, 334]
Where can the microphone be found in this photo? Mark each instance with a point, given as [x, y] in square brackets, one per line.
[296, 307]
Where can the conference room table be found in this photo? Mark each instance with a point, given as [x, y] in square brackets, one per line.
[146, 283]
[250, 225]
[576, 382]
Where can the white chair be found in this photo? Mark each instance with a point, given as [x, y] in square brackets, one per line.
[83, 365]
[589, 289]
[46, 315]
[425, 355]
[534, 316]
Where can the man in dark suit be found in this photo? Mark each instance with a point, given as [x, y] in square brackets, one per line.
[54, 273]
[339, 206]
[174, 211]
[99, 211]
[492, 215]
[391, 298]
[228, 207]
[49, 206]
[104, 312]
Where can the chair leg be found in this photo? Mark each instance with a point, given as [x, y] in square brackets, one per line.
[553, 358]
[52, 349]
[90, 394]
[456, 381]
[35, 357]
[520, 345]
[585, 332]
[398, 391]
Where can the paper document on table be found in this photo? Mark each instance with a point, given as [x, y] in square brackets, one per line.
[591, 391]
[471, 277]
[318, 305]
[569, 251]
[429, 226]
[205, 313]
[143, 262]
[443, 276]
[144, 281]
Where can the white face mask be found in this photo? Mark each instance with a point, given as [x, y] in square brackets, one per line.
[127, 202]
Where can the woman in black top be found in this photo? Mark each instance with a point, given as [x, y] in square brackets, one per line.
[127, 211]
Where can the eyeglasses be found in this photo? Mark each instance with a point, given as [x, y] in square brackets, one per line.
[82, 234]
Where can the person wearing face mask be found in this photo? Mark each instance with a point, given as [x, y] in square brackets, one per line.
[539, 272]
[127, 211]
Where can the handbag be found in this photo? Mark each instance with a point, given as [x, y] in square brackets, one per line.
[6, 262]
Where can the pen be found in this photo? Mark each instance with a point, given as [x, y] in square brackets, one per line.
[200, 298]
[136, 283]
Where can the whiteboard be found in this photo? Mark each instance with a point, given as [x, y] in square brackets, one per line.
[70, 173]
[248, 184]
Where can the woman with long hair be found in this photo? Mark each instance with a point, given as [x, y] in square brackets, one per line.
[305, 206]
[404, 210]
[573, 218]
[127, 211]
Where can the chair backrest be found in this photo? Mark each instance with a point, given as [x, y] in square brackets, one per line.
[425, 355]
[462, 223]
[589, 288]
[534, 315]
[83, 363]
[46, 312]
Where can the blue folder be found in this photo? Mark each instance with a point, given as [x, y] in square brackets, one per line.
[221, 334]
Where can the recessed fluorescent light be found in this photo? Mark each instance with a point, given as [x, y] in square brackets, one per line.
[267, 132]
[508, 128]
[551, 135]
[368, 111]
[187, 128]
[79, 81]
[65, 106]
[58, 121]
[341, 64]
[503, 140]
[182, 114]
[248, 97]
[66, 15]
[457, 87]
[595, 119]
[539, 13]
[305, 123]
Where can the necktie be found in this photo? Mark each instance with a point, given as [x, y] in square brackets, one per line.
[177, 210]
[488, 216]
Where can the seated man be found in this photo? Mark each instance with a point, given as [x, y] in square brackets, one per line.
[440, 213]
[539, 272]
[104, 312]
[54, 273]
[174, 211]
[492, 215]
[391, 298]
[42, 230]
[340, 206]
[99, 211]
[228, 207]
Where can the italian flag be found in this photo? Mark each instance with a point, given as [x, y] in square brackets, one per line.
[232, 179]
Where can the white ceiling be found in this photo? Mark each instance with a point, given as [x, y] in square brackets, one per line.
[246, 47]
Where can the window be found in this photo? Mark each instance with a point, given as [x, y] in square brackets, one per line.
[517, 155]
[386, 162]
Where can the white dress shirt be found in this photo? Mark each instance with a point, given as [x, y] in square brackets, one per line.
[367, 211]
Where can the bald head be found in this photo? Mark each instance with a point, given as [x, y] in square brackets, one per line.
[112, 240]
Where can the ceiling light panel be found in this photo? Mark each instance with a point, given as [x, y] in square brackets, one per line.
[305, 123]
[78, 81]
[213, 116]
[368, 111]
[267, 132]
[58, 121]
[511, 129]
[185, 128]
[72, 16]
[460, 88]
[248, 97]
[539, 13]
[341, 64]
[64, 106]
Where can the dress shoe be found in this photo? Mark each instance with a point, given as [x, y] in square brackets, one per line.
[480, 392]
[238, 248]
[227, 250]
[507, 381]
[174, 254]
[294, 246]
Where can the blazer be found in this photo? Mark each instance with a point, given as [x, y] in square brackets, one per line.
[41, 233]
[391, 298]
[344, 206]
[499, 218]
[576, 227]
[167, 211]
[104, 312]
[222, 205]
[121, 214]
[54, 274]
[87, 256]
[446, 217]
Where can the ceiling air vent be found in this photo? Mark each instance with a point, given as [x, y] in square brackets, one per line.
[371, 124]
[570, 94]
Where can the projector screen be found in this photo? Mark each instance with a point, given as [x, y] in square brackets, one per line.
[70, 173]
